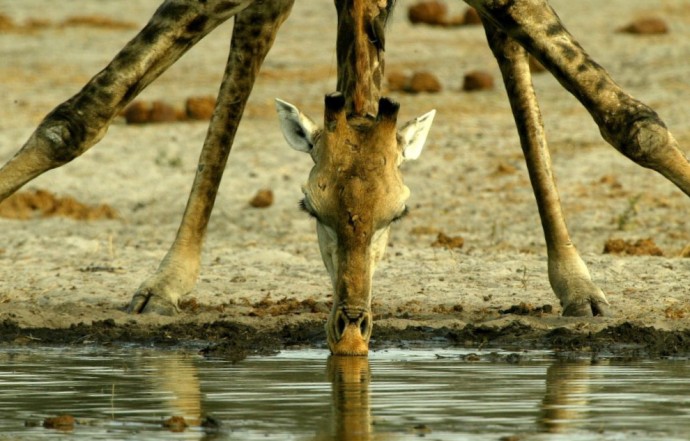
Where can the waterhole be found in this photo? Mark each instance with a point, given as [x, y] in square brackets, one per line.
[440, 394]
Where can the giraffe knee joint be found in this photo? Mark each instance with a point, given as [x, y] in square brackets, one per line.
[63, 136]
[638, 133]
[646, 141]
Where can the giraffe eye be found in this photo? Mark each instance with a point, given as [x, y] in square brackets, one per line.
[402, 214]
[304, 206]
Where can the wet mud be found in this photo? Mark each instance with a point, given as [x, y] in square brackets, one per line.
[235, 341]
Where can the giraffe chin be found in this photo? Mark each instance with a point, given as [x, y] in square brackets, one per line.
[351, 342]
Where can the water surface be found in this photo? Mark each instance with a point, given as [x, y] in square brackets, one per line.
[120, 394]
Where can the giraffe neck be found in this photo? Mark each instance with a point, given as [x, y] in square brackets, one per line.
[360, 52]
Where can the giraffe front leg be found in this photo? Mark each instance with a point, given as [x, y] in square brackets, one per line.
[175, 277]
[253, 35]
[629, 125]
[568, 274]
[80, 122]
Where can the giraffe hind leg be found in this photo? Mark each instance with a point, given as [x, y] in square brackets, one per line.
[568, 274]
[253, 35]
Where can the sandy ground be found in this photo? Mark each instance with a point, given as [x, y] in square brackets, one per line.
[262, 266]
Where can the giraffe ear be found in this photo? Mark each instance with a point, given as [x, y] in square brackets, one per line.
[412, 135]
[299, 131]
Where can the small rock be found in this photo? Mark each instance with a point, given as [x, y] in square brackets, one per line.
[646, 26]
[477, 80]
[200, 108]
[421, 429]
[262, 199]
[424, 82]
[211, 424]
[513, 358]
[62, 422]
[471, 357]
[505, 169]
[611, 181]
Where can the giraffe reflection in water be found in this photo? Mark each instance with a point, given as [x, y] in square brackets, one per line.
[565, 405]
[566, 401]
[176, 379]
[350, 399]
[394, 395]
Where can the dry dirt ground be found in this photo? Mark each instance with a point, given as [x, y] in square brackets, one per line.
[261, 267]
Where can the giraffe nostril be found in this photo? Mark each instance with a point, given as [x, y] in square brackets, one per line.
[364, 325]
[340, 325]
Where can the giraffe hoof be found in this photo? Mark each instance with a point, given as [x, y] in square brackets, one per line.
[587, 309]
[601, 309]
[149, 303]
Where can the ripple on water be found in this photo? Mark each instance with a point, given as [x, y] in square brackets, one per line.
[127, 394]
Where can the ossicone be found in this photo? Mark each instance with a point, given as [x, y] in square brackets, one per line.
[388, 109]
[334, 106]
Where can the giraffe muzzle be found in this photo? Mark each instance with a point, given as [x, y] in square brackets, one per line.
[348, 331]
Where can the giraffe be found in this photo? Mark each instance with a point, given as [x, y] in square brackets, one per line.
[513, 28]
[355, 192]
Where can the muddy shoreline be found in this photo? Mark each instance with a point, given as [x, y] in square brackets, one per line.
[235, 341]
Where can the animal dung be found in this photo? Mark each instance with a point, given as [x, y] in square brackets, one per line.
[162, 112]
[397, 81]
[418, 82]
[640, 247]
[26, 205]
[137, 113]
[424, 82]
[435, 13]
[471, 17]
[477, 80]
[428, 12]
[145, 112]
[646, 26]
[200, 108]
[262, 199]
[6, 23]
[175, 424]
[96, 21]
[445, 241]
[35, 24]
[61, 422]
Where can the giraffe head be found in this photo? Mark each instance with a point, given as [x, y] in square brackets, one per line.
[354, 191]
